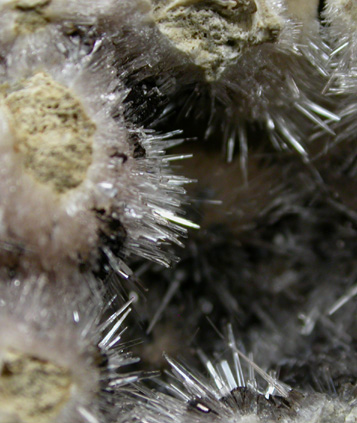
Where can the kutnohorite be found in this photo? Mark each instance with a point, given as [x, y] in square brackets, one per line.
[341, 29]
[232, 63]
[272, 181]
[219, 259]
[338, 170]
[75, 181]
[61, 355]
[277, 280]
[70, 27]
[236, 390]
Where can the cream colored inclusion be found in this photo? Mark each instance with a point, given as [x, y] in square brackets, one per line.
[214, 33]
[53, 133]
[32, 390]
[30, 15]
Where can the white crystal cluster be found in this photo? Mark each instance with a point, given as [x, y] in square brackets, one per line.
[239, 63]
[59, 353]
[68, 165]
[92, 210]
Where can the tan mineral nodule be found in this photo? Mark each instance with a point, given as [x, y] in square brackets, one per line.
[52, 132]
[215, 33]
[32, 390]
[30, 15]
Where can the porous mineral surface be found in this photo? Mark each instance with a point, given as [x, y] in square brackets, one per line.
[30, 15]
[215, 33]
[32, 390]
[52, 132]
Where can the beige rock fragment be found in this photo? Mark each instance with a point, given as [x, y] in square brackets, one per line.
[32, 390]
[30, 15]
[53, 133]
[215, 33]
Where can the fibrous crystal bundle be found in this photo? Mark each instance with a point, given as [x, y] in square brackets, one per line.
[236, 63]
[67, 148]
[61, 352]
[233, 275]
